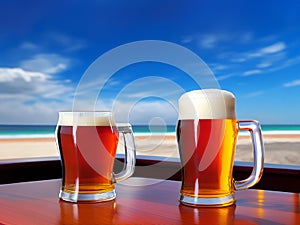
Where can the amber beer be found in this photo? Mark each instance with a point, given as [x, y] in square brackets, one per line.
[87, 142]
[194, 140]
[93, 143]
[207, 131]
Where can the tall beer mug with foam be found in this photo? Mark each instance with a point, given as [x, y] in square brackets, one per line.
[206, 132]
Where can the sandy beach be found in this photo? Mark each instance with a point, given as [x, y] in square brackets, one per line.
[279, 148]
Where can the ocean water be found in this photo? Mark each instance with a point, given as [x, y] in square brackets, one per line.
[26, 131]
[43, 131]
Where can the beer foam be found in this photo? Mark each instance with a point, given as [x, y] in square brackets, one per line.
[85, 119]
[207, 104]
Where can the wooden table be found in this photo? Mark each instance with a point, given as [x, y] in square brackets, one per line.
[141, 201]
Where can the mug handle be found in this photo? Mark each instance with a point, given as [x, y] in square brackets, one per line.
[258, 148]
[125, 130]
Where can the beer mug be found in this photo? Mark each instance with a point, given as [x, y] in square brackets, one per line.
[87, 142]
[207, 131]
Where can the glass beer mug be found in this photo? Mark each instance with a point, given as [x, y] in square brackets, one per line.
[87, 142]
[207, 131]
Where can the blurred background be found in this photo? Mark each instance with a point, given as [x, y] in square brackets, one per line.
[253, 49]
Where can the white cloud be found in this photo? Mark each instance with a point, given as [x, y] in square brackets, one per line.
[225, 76]
[46, 63]
[208, 40]
[264, 65]
[292, 83]
[277, 47]
[283, 63]
[187, 39]
[213, 40]
[32, 97]
[291, 61]
[218, 67]
[269, 54]
[238, 59]
[15, 81]
[251, 72]
[273, 63]
[254, 94]
[29, 46]
[144, 112]
[15, 111]
[69, 44]
[13, 74]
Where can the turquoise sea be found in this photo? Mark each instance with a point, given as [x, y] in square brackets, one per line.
[40, 131]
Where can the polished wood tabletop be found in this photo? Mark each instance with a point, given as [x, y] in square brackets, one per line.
[141, 201]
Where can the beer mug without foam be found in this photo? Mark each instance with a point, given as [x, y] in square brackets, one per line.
[207, 131]
[87, 142]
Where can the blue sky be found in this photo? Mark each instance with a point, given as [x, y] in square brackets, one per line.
[252, 48]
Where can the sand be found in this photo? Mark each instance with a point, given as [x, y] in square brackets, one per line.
[279, 149]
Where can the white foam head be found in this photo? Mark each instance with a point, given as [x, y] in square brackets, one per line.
[207, 104]
[98, 118]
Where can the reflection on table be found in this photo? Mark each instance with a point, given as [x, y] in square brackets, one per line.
[141, 201]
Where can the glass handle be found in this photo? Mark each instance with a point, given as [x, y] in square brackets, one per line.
[125, 130]
[258, 147]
